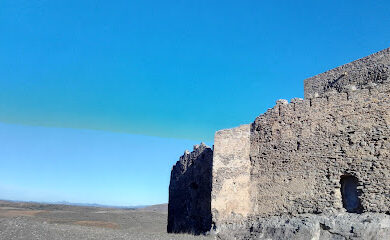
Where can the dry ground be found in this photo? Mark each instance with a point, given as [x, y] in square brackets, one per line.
[61, 222]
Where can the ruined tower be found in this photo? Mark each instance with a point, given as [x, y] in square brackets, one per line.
[325, 158]
[189, 207]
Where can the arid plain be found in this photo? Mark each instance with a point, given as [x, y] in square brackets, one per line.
[19, 220]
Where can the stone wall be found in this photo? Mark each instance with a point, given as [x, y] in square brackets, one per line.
[311, 161]
[362, 73]
[291, 162]
[373, 226]
[300, 152]
[231, 175]
[189, 207]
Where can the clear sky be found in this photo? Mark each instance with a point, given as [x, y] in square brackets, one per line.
[85, 166]
[99, 98]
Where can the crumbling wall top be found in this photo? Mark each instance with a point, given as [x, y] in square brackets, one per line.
[362, 73]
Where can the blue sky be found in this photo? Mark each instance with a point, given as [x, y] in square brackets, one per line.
[105, 80]
[85, 166]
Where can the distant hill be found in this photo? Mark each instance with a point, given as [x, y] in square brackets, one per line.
[160, 208]
[94, 205]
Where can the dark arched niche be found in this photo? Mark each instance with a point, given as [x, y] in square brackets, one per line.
[350, 194]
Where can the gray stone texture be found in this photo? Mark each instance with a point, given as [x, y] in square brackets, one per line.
[189, 208]
[373, 226]
[362, 73]
[301, 150]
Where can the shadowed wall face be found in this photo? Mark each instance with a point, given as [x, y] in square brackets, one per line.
[189, 207]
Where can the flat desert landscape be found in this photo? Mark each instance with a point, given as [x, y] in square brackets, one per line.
[21, 220]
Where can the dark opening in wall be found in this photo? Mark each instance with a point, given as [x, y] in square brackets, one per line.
[194, 185]
[350, 194]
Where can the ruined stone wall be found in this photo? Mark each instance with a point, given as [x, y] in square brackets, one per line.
[231, 175]
[362, 73]
[328, 153]
[301, 150]
[189, 207]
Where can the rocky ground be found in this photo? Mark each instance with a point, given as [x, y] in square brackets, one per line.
[32, 221]
[342, 226]
[62, 222]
